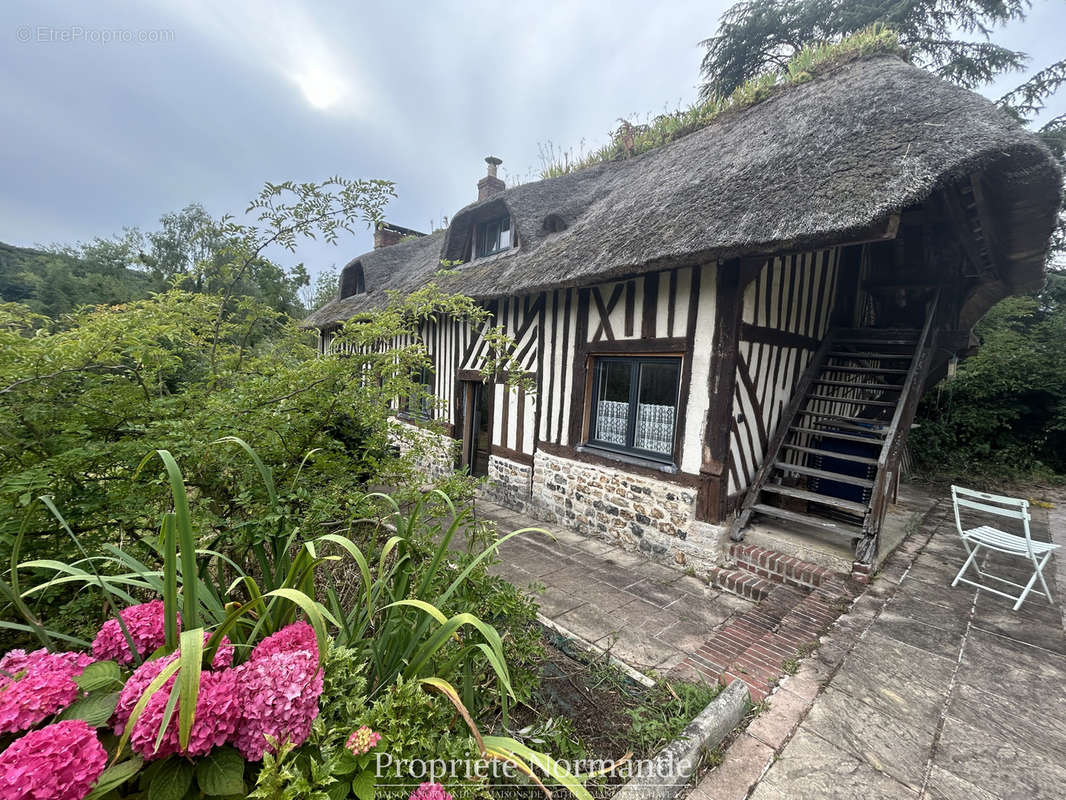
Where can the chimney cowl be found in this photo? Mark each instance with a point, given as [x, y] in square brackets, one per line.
[490, 184]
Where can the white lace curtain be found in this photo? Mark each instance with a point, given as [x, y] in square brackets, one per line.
[655, 428]
[611, 419]
[655, 425]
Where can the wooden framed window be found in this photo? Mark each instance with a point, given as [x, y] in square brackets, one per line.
[420, 404]
[635, 405]
[492, 237]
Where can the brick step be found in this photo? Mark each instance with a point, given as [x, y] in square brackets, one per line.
[741, 582]
[778, 567]
[765, 643]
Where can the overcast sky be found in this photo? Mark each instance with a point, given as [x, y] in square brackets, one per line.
[214, 97]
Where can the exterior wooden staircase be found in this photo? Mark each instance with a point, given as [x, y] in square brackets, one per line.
[833, 462]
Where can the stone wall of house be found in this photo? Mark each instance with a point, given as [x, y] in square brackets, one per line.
[637, 512]
[508, 483]
[433, 452]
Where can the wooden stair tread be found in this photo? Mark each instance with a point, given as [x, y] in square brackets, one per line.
[899, 332]
[843, 436]
[847, 423]
[815, 451]
[861, 401]
[871, 355]
[878, 342]
[825, 474]
[813, 497]
[866, 370]
[887, 387]
[852, 531]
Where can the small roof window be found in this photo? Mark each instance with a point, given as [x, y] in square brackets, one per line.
[352, 281]
[491, 237]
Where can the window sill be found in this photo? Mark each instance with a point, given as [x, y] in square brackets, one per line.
[667, 467]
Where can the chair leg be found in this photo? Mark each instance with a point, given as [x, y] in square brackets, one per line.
[1025, 592]
[970, 560]
[1040, 572]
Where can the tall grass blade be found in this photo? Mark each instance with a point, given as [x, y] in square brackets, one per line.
[186, 541]
[170, 579]
[191, 660]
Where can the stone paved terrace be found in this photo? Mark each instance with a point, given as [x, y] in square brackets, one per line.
[656, 618]
[647, 615]
[920, 691]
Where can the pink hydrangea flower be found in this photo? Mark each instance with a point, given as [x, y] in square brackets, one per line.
[430, 791]
[146, 626]
[217, 712]
[291, 638]
[224, 655]
[57, 762]
[37, 685]
[362, 740]
[278, 698]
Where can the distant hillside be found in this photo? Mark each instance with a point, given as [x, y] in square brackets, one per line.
[55, 283]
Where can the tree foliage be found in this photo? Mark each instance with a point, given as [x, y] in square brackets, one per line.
[756, 36]
[1005, 410]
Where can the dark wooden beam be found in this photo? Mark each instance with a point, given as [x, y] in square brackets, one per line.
[711, 503]
[779, 338]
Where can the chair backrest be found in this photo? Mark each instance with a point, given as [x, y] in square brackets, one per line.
[1013, 507]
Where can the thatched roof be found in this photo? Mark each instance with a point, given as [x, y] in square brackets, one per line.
[814, 165]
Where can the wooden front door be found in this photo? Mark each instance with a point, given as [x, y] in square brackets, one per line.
[477, 430]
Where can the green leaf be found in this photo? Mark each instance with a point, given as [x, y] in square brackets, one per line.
[114, 776]
[191, 656]
[95, 708]
[172, 780]
[99, 675]
[221, 772]
[364, 785]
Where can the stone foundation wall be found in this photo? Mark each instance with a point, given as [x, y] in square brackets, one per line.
[434, 453]
[636, 512]
[508, 483]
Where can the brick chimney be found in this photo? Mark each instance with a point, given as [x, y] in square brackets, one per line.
[490, 184]
[386, 234]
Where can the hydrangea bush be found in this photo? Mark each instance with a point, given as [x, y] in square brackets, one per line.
[224, 698]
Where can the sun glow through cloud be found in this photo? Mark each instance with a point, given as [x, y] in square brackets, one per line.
[320, 88]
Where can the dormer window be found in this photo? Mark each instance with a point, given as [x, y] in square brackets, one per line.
[492, 237]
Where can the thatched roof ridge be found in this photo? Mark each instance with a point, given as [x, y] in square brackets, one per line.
[813, 165]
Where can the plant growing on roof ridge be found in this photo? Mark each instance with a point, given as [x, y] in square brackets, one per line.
[629, 139]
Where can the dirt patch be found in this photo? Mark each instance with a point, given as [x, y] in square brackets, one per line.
[593, 698]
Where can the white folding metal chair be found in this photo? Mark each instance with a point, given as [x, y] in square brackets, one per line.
[991, 538]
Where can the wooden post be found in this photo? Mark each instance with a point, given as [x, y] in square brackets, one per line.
[714, 466]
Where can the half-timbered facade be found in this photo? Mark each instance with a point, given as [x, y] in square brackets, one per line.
[738, 324]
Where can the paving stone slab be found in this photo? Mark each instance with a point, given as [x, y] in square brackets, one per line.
[590, 623]
[774, 726]
[871, 736]
[1003, 767]
[991, 651]
[554, 603]
[1040, 629]
[898, 663]
[918, 634]
[1043, 728]
[910, 703]
[943, 785]
[732, 780]
[959, 599]
[812, 767]
[952, 620]
[638, 649]
[642, 615]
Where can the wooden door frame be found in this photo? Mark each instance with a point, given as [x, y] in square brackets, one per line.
[468, 437]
